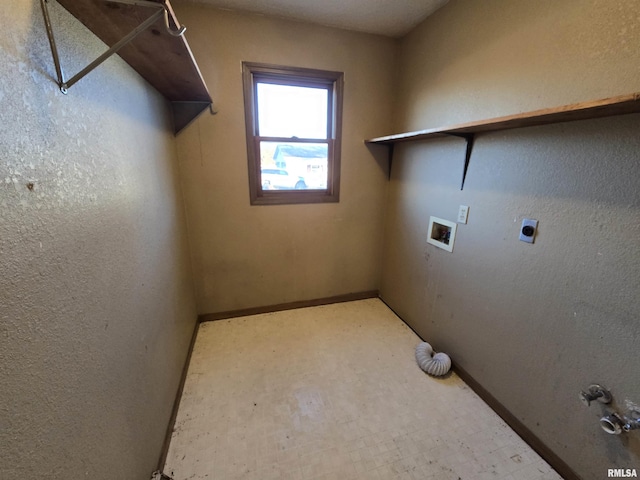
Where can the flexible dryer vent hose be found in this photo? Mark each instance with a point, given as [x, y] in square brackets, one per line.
[436, 365]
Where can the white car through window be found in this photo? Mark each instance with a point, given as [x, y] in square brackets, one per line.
[280, 179]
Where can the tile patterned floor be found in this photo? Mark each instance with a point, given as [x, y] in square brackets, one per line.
[333, 392]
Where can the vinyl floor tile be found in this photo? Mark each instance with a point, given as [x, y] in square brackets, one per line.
[333, 392]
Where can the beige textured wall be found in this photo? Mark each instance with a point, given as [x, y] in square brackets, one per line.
[534, 324]
[475, 60]
[246, 256]
[96, 299]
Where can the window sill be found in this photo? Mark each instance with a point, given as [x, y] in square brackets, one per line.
[294, 197]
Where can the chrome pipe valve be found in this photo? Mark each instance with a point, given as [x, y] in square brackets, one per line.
[613, 424]
[631, 425]
[595, 392]
[632, 421]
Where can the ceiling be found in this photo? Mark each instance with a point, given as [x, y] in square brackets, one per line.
[393, 18]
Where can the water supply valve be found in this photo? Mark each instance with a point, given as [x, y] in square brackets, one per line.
[595, 392]
[613, 424]
[632, 421]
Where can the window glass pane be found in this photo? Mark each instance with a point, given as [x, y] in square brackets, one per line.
[293, 166]
[288, 111]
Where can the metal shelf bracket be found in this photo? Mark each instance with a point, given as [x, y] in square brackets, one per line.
[162, 10]
[469, 137]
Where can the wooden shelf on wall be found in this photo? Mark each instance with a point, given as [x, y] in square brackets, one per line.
[163, 60]
[607, 107]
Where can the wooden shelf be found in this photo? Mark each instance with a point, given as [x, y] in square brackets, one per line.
[163, 60]
[579, 111]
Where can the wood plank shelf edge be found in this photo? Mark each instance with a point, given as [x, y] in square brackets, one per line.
[607, 107]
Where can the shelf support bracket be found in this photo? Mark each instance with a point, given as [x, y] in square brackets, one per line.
[66, 84]
[469, 137]
[391, 148]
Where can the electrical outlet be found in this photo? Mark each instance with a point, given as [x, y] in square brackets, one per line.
[463, 214]
[528, 230]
